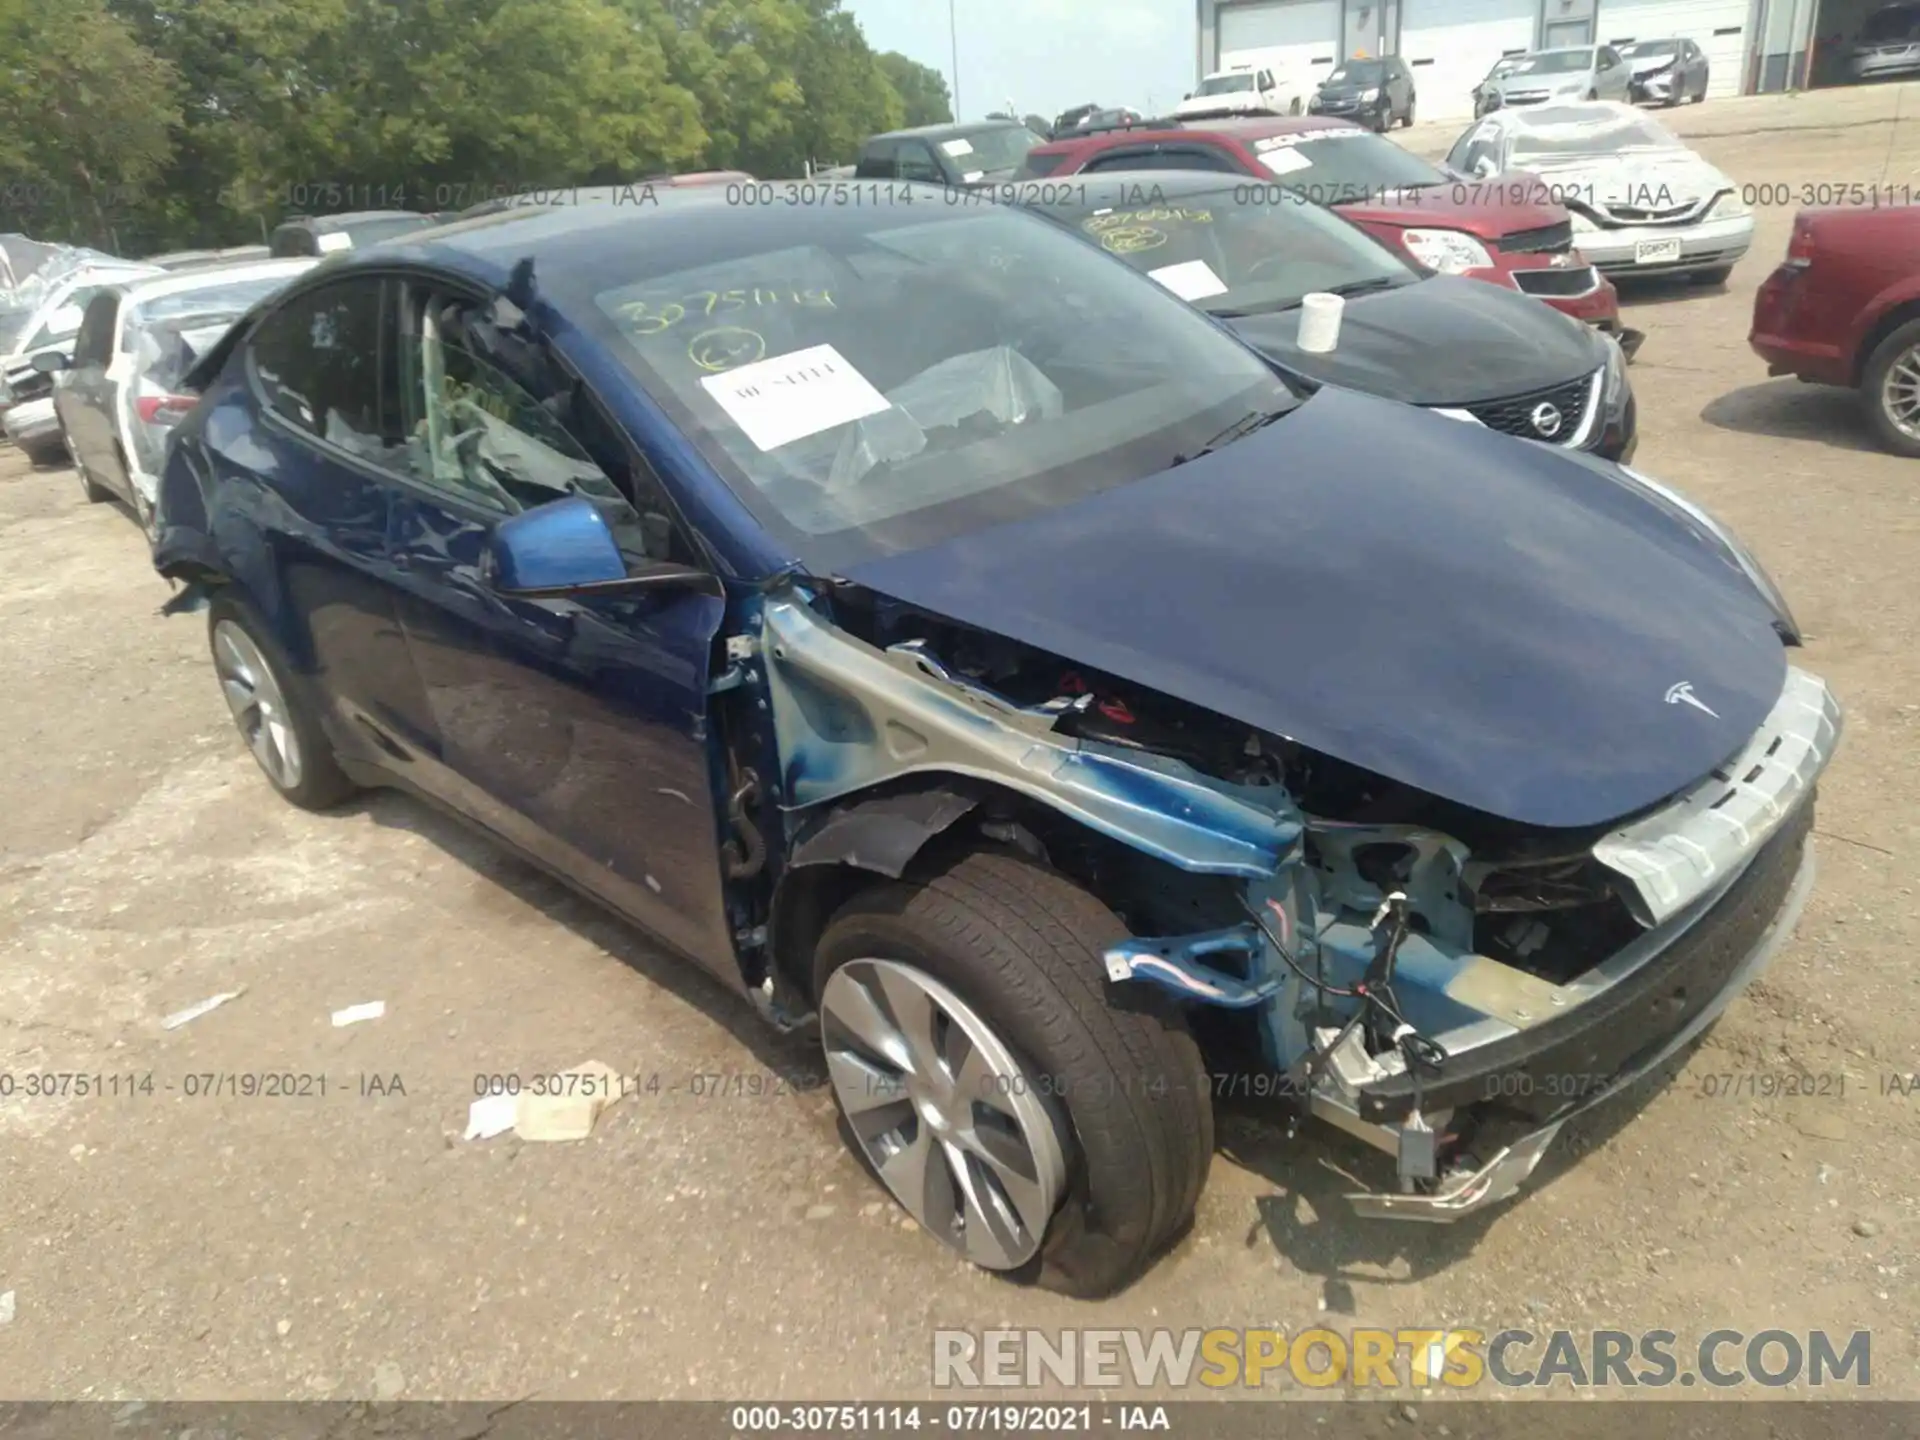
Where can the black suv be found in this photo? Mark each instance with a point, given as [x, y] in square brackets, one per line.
[982, 153]
[1374, 92]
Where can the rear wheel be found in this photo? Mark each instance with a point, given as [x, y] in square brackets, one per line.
[91, 492]
[1025, 1111]
[48, 452]
[1890, 385]
[272, 710]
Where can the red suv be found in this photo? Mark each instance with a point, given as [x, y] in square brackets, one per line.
[1844, 309]
[1507, 232]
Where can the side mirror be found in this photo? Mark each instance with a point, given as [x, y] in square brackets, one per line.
[566, 550]
[49, 362]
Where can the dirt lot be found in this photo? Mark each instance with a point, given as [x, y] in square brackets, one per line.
[165, 1247]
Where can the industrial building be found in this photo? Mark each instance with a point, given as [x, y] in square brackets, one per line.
[1753, 46]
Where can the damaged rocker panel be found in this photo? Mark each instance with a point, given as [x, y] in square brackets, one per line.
[850, 716]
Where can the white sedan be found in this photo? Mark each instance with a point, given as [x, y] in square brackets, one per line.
[1642, 202]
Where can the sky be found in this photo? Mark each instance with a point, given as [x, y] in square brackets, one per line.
[1044, 55]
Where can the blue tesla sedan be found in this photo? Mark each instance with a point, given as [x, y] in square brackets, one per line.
[963, 647]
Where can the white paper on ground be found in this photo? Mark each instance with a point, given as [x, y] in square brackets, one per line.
[1192, 280]
[491, 1116]
[793, 396]
[335, 240]
[569, 1110]
[957, 148]
[1285, 162]
[194, 1012]
[354, 1014]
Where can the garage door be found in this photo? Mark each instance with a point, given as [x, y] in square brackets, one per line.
[1718, 27]
[1300, 39]
[1451, 44]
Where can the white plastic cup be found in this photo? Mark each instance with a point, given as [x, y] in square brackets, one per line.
[1320, 322]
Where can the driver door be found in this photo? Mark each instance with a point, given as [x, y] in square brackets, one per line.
[576, 729]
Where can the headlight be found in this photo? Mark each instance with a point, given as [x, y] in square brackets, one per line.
[1730, 207]
[1449, 251]
[1735, 548]
[1366, 95]
[1614, 388]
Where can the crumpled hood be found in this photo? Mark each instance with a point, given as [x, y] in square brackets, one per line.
[1650, 178]
[1444, 340]
[1492, 621]
[1648, 64]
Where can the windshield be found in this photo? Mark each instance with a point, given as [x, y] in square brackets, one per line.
[235, 297]
[1554, 62]
[1894, 23]
[1355, 72]
[1226, 84]
[1331, 167]
[367, 232]
[892, 377]
[1002, 148]
[1651, 49]
[1234, 257]
[1578, 134]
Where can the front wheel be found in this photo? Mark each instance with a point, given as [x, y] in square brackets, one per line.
[1297, 106]
[1890, 385]
[1408, 122]
[1026, 1111]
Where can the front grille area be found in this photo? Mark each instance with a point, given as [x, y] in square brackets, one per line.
[1645, 215]
[1548, 239]
[1515, 415]
[1577, 280]
[1534, 1073]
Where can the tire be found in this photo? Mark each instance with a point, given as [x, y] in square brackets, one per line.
[91, 492]
[1901, 348]
[43, 453]
[1296, 107]
[316, 781]
[1408, 122]
[1121, 1077]
[1593, 94]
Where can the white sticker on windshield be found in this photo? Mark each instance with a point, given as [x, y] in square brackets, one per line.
[1285, 162]
[333, 240]
[1191, 280]
[793, 396]
[957, 148]
[973, 175]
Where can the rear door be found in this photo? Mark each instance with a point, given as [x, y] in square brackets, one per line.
[574, 728]
[304, 453]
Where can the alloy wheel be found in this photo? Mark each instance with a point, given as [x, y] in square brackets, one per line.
[943, 1111]
[1900, 393]
[259, 709]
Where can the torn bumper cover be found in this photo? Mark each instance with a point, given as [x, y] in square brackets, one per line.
[1717, 878]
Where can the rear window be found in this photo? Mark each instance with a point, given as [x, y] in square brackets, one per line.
[1036, 164]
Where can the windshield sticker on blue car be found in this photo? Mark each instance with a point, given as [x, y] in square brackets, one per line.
[787, 398]
[1192, 280]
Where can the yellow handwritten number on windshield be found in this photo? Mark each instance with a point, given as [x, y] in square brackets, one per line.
[725, 348]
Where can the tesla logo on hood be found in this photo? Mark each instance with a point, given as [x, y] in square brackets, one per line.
[1547, 419]
[1682, 694]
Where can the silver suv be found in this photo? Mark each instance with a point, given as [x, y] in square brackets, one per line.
[1889, 43]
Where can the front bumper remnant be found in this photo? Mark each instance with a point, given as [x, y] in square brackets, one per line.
[1502, 1176]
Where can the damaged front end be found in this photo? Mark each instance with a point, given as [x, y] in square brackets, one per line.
[1446, 985]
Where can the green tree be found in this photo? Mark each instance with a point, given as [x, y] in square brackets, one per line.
[89, 114]
[921, 88]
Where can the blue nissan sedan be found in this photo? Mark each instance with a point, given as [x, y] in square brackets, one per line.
[962, 647]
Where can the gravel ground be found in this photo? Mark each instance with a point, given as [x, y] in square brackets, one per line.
[354, 1245]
